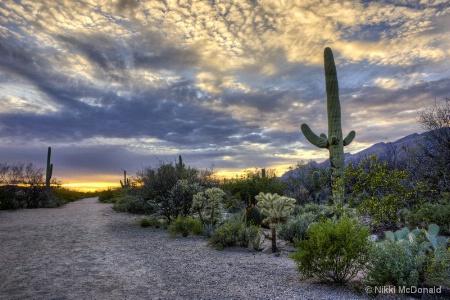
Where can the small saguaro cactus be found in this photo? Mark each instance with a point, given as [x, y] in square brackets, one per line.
[263, 173]
[126, 181]
[334, 142]
[49, 171]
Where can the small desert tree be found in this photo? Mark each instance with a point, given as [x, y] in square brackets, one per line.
[436, 146]
[277, 209]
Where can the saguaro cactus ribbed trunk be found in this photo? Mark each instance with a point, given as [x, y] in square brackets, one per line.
[49, 171]
[334, 142]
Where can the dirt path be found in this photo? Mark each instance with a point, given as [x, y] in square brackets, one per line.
[85, 250]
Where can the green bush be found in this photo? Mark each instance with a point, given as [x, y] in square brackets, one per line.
[392, 263]
[425, 248]
[296, 227]
[249, 236]
[436, 213]
[437, 269]
[111, 195]
[7, 198]
[382, 192]
[150, 222]
[334, 250]
[185, 226]
[255, 182]
[325, 210]
[235, 232]
[133, 204]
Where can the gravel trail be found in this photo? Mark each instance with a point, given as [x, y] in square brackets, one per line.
[85, 250]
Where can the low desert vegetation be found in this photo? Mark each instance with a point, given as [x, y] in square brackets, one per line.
[23, 185]
[390, 227]
[381, 220]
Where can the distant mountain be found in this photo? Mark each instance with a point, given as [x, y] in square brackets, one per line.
[383, 150]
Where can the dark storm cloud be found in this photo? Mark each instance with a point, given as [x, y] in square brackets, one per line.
[99, 49]
[113, 86]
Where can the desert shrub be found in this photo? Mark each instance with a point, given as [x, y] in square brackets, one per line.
[150, 222]
[246, 188]
[181, 196]
[249, 236]
[392, 263]
[185, 226]
[381, 192]
[253, 215]
[296, 227]
[235, 232]
[334, 250]
[233, 203]
[325, 210]
[301, 184]
[110, 195]
[133, 204]
[7, 198]
[48, 199]
[432, 213]
[227, 234]
[15, 197]
[170, 187]
[410, 258]
[437, 268]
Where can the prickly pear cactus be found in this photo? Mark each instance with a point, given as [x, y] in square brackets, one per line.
[334, 142]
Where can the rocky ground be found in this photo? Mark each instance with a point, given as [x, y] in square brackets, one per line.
[85, 250]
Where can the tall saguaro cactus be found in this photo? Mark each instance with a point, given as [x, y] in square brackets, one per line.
[334, 142]
[49, 171]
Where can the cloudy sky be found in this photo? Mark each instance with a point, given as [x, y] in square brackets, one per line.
[114, 85]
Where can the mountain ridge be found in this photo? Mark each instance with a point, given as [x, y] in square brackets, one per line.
[380, 149]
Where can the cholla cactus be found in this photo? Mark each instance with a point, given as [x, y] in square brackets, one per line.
[208, 203]
[277, 209]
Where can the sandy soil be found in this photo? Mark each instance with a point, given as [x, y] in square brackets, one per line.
[85, 250]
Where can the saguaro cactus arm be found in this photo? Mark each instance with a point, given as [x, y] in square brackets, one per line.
[318, 141]
[349, 138]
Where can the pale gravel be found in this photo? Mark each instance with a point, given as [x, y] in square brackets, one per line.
[85, 250]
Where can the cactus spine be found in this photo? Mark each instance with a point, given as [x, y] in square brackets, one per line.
[334, 142]
[49, 171]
